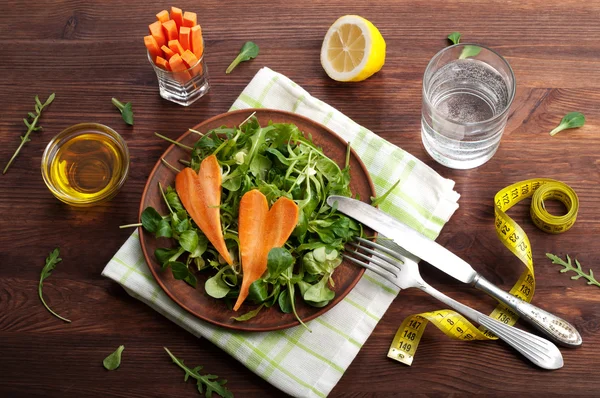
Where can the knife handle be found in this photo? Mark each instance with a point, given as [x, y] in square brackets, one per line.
[559, 330]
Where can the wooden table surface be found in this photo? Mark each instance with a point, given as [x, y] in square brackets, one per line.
[88, 52]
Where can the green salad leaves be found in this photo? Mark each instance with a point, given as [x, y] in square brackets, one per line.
[279, 161]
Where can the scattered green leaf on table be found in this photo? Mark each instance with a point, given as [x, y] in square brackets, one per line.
[31, 126]
[113, 361]
[454, 37]
[469, 51]
[249, 50]
[125, 109]
[209, 381]
[51, 262]
[570, 121]
[568, 266]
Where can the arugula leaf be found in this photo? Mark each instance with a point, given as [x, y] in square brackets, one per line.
[570, 121]
[125, 109]
[51, 262]
[568, 266]
[469, 51]
[173, 200]
[209, 381]
[249, 50]
[454, 37]
[248, 315]
[113, 361]
[31, 126]
[376, 201]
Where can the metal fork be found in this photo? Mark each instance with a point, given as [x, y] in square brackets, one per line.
[401, 269]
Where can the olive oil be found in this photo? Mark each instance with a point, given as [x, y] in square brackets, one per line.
[86, 166]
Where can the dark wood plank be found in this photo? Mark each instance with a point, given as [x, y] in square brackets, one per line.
[88, 52]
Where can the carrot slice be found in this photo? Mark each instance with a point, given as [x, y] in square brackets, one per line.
[197, 43]
[184, 38]
[259, 231]
[179, 69]
[200, 194]
[175, 46]
[158, 33]
[168, 52]
[163, 16]
[170, 29]
[152, 47]
[189, 58]
[177, 16]
[189, 19]
[162, 63]
[177, 64]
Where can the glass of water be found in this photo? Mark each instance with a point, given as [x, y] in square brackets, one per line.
[182, 87]
[467, 92]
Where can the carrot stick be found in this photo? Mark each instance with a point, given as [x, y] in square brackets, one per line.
[259, 231]
[179, 68]
[163, 16]
[184, 38]
[168, 52]
[175, 46]
[162, 63]
[200, 194]
[170, 29]
[189, 58]
[158, 33]
[177, 16]
[152, 47]
[196, 40]
[189, 19]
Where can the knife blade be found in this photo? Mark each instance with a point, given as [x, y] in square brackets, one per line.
[406, 237]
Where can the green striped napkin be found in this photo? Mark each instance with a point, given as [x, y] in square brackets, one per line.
[295, 360]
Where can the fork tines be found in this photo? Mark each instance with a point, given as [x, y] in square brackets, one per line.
[379, 263]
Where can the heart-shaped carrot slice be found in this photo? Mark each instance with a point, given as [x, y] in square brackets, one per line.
[200, 194]
[260, 230]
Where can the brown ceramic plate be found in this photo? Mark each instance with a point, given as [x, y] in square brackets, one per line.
[196, 301]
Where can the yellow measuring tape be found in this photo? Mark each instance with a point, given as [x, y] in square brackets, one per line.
[454, 325]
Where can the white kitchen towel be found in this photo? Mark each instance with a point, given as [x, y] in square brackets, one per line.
[299, 362]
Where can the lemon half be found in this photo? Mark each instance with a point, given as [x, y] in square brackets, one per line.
[353, 49]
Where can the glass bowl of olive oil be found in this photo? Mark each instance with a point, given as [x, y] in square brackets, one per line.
[85, 164]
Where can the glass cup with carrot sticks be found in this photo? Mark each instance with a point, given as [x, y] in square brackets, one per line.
[176, 51]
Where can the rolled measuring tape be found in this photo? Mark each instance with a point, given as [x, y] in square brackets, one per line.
[454, 325]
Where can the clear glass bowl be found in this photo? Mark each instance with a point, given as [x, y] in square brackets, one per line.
[85, 164]
[185, 87]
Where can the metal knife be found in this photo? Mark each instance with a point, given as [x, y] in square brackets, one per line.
[426, 249]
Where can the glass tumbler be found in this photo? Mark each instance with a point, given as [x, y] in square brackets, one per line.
[467, 93]
[184, 87]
